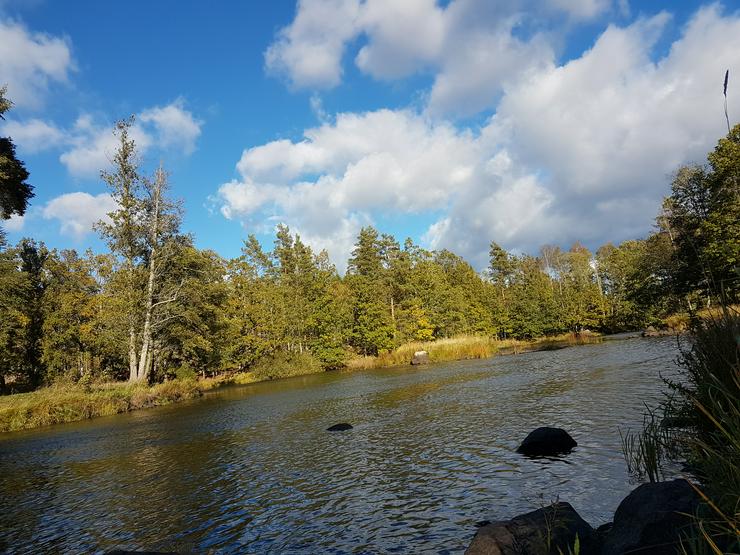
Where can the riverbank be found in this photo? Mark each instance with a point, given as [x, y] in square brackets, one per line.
[59, 404]
[470, 347]
[64, 403]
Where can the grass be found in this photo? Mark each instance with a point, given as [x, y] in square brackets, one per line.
[69, 403]
[706, 406]
[467, 347]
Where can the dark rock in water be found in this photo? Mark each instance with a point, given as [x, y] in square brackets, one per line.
[339, 427]
[529, 534]
[544, 442]
[652, 519]
[420, 357]
[482, 523]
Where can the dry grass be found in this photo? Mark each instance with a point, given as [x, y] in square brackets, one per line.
[68, 403]
[467, 347]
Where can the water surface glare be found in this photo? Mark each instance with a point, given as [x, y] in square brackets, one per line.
[251, 469]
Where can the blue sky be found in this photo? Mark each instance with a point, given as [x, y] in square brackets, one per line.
[455, 123]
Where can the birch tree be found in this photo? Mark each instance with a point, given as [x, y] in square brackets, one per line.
[140, 233]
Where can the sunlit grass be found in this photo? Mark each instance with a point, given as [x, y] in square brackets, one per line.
[69, 403]
[467, 347]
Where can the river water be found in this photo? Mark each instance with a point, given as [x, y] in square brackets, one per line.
[251, 469]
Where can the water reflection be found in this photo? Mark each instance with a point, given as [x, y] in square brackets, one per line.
[252, 469]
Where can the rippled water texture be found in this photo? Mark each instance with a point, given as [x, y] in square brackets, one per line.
[252, 469]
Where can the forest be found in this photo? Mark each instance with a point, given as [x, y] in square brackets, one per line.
[154, 306]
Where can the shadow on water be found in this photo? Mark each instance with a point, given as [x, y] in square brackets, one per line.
[252, 468]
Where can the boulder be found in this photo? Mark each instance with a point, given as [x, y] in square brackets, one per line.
[545, 441]
[652, 519]
[420, 357]
[551, 530]
[341, 427]
[650, 331]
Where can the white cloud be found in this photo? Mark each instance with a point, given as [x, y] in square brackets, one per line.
[14, 223]
[175, 126]
[584, 9]
[580, 151]
[78, 212]
[309, 51]
[33, 135]
[29, 62]
[402, 36]
[614, 123]
[331, 183]
[470, 46]
[92, 145]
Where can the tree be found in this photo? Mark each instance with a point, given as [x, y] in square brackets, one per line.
[124, 232]
[13, 323]
[703, 216]
[141, 233]
[161, 227]
[70, 312]
[15, 192]
[372, 329]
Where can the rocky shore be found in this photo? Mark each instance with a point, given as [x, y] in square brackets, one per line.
[650, 520]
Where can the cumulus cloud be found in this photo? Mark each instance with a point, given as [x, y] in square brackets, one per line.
[14, 223]
[78, 212]
[33, 135]
[175, 126]
[309, 51]
[610, 126]
[90, 145]
[332, 182]
[585, 9]
[581, 150]
[30, 61]
[472, 47]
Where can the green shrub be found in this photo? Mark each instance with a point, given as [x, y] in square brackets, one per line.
[285, 365]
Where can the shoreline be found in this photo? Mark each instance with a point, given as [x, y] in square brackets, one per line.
[61, 404]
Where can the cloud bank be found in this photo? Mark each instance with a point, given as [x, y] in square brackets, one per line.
[576, 150]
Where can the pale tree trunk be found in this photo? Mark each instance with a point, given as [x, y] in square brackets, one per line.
[144, 355]
[133, 374]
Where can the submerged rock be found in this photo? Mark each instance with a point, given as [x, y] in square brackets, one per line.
[545, 441]
[420, 357]
[652, 519]
[545, 531]
[339, 427]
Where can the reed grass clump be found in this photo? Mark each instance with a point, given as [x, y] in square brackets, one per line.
[71, 402]
[700, 422]
[466, 347]
[282, 365]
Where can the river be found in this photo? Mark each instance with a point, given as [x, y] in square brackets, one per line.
[251, 469]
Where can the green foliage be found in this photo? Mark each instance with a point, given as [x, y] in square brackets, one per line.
[703, 218]
[286, 365]
[15, 192]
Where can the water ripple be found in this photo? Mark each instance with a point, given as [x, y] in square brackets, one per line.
[252, 470]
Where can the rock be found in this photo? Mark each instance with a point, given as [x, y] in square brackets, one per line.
[545, 531]
[650, 331]
[651, 519]
[420, 357]
[339, 427]
[544, 442]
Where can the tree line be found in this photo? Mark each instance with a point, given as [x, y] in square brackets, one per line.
[155, 306]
